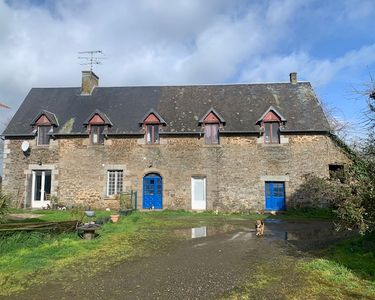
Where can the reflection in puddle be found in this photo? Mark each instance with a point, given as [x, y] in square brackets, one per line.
[274, 230]
[198, 232]
[204, 231]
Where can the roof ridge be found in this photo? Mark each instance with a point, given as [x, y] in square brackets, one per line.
[183, 85]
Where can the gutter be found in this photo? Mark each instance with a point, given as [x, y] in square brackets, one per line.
[200, 133]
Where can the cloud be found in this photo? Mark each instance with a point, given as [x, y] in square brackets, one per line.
[162, 42]
[318, 71]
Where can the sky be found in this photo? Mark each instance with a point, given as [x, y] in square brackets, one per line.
[176, 42]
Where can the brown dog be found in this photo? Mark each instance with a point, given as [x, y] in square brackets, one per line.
[259, 228]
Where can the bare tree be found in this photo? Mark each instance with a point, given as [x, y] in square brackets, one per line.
[339, 127]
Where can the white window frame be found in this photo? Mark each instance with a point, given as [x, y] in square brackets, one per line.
[193, 201]
[116, 191]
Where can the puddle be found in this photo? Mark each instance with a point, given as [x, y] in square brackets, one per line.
[275, 229]
[274, 221]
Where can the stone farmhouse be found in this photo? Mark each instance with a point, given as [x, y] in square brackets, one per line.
[232, 147]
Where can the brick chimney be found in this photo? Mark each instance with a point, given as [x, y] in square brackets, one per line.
[293, 77]
[89, 82]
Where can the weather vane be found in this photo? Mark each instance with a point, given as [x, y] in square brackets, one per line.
[90, 58]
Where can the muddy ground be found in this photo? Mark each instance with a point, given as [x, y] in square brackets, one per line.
[208, 263]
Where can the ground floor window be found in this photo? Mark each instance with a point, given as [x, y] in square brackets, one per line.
[336, 172]
[114, 182]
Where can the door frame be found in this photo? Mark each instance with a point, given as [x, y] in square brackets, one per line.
[271, 182]
[42, 202]
[143, 189]
[193, 178]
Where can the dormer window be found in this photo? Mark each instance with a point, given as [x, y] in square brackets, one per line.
[152, 134]
[270, 123]
[43, 136]
[151, 123]
[44, 123]
[97, 126]
[212, 122]
[97, 134]
[211, 133]
[271, 133]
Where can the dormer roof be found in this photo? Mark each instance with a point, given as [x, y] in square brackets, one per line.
[51, 117]
[211, 113]
[271, 109]
[149, 115]
[103, 118]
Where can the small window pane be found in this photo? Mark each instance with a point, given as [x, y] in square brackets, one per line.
[268, 189]
[115, 182]
[156, 134]
[198, 189]
[149, 134]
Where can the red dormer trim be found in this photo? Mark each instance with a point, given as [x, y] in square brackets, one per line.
[96, 120]
[152, 119]
[43, 121]
[271, 117]
[211, 118]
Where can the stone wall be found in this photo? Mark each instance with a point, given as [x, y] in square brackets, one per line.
[235, 170]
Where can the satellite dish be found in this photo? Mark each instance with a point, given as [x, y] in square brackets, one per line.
[25, 146]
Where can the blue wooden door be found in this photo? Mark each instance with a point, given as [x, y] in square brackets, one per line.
[152, 191]
[275, 195]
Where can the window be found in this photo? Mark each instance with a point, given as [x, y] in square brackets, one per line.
[114, 182]
[337, 172]
[211, 134]
[97, 136]
[271, 133]
[152, 133]
[43, 136]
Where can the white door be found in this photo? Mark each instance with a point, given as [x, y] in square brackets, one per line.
[198, 193]
[41, 189]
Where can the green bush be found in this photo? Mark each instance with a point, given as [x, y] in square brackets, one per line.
[345, 201]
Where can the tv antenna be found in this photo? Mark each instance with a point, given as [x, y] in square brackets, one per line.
[90, 58]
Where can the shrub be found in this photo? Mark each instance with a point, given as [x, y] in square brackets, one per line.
[345, 201]
[315, 192]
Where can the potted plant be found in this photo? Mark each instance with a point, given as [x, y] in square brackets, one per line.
[115, 218]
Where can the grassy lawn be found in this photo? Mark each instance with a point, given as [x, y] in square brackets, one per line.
[345, 270]
[29, 258]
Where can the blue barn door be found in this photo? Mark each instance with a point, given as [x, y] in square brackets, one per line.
[152, 191]
[275, 195]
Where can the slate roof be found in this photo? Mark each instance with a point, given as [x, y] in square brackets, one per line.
[241, 105]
